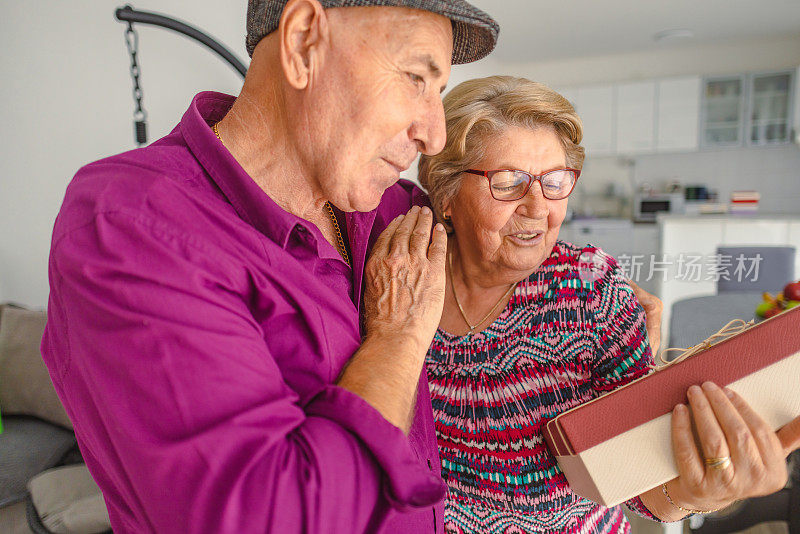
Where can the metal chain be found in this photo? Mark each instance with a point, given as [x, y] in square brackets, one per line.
[337, 230]
[139, 114]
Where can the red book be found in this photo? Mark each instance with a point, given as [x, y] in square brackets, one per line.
[619, 445]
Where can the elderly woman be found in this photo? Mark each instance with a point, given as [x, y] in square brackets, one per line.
[533, 326]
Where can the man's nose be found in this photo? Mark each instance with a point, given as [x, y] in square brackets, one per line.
[428, 130]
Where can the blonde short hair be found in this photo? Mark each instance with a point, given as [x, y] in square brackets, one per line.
[479, 109]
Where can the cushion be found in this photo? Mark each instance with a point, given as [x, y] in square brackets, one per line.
[14, 520]
[25, 385]
[67, 501]
[28, 446]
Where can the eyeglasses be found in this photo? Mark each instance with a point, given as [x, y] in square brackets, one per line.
[510, 184]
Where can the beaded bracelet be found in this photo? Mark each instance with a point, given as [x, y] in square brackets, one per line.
[681, 508]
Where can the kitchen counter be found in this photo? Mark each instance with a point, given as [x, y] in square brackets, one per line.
[661, 217]
[694, 239]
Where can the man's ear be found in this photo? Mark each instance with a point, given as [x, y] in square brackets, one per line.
[303, 33]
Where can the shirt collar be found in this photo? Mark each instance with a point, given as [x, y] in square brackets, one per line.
[250, 201]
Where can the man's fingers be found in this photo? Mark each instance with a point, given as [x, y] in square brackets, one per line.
[789, 436]
[421, 233]
[381, 246]
[399, 244]
[690, 463]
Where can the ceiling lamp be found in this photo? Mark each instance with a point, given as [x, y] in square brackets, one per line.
[674, 34]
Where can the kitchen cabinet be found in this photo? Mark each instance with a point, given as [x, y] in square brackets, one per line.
[678, 114]
[747, 233]
[796, 106]
[689, 112]
[722, 112]
[595, 106]
[756, 109]
[635, 117]
[770, 97]
[632, 245]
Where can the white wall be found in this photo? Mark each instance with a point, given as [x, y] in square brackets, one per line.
[66, 100]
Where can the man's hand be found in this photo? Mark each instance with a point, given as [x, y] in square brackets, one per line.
[403, 303]
[652, 309]
[405, 280]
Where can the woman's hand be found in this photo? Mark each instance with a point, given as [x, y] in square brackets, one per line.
[652, 309]
[739, 455]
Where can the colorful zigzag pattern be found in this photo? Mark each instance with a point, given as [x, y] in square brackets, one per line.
[571, 331]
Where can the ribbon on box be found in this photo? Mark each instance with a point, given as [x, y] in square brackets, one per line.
[734, 327]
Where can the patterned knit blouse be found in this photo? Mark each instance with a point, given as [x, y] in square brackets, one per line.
[571, 331]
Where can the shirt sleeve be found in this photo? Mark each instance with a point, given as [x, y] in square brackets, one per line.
[623, 351]
[623, 348]
[637, 506]
[184, 418]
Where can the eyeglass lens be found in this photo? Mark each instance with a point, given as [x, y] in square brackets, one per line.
[512, 185]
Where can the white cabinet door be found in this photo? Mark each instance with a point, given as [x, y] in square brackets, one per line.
[796, 105]
[595, 106]
[755, 233]
[636, 107]
[678, 118]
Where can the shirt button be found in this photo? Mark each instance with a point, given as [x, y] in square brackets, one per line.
[302, 229]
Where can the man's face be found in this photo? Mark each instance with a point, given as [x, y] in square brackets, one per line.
[378, 100]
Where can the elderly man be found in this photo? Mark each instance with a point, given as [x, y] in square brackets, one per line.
[203, 328]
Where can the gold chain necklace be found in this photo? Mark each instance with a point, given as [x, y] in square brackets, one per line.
[339, 241]
[455, 296]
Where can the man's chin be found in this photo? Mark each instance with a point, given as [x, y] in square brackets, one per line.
[368, 202]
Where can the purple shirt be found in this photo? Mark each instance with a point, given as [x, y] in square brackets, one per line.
[195, 330]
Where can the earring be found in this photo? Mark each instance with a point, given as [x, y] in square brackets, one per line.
[446, 218]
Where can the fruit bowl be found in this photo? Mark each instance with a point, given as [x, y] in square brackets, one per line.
[785, 300]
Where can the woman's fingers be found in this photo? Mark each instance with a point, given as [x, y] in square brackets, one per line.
[437, 251]
[712, 438]
[769, 447]
[690, 463]
[789, 436]
[744, 451]
[653, 308]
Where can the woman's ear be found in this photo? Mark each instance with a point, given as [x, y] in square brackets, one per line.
[303, 34]
[445, 211]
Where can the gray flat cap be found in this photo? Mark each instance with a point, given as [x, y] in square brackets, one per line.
[474, 32]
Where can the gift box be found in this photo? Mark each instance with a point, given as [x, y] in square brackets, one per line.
[619, 445]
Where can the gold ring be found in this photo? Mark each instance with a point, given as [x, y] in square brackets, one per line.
[719, 463]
